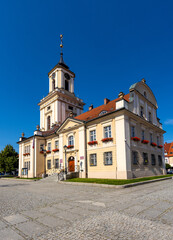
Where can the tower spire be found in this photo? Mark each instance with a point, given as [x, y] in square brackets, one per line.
[61, 61]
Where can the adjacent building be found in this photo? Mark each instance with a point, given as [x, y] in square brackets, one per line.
[168, 148]
[121, 139]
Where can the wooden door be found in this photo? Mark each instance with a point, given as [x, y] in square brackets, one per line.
[71, 164]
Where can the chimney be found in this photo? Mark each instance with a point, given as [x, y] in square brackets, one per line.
[121, 95]
[106, 101]
[90, 107]
[23, 134]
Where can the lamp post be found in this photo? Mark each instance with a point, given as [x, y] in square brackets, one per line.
[65, 149]
[44, 175]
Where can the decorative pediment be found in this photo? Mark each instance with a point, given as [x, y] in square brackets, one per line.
[69, 124]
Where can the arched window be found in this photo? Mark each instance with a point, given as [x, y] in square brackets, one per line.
[53, 84]
[48, 122]
[71, 140]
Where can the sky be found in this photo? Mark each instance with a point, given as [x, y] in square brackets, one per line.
[108, 44]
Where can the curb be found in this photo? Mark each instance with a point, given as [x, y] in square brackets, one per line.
[115, 186]
[18, 179]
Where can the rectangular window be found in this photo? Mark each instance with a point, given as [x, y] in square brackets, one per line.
[57, 163]
[56, 144]
[24, 164]
[151, 137]
[150, 119]
[143, 135]
[158, 142]
[107, 132]
[145, 158]
[93, 135]
[142, 111]
[135, 157]
[48, 164]
[48, 108]
[153, 159]
[49, 147]
[160, 160]
[132, 131]
[93, 159]
[108, 158]
[41, 147]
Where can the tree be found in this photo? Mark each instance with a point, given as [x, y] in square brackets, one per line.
[167, 166]
[8, 159]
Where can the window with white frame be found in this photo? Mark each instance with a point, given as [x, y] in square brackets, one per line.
[27, 149]
[71, 140]
[93, 159]
[57, 163]
[49, 146]
[108, 158]
[41, 147]
[48, 164]
[93, 135]
[143, 134]
[56, 144]
[107, 132]
[132, 131]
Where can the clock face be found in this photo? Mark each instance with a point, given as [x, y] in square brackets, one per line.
[67, 76]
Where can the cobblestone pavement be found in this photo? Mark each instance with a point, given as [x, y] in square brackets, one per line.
[49, 210]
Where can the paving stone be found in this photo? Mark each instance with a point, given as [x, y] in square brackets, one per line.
[9, 234]
[34, 214]
[2, 224]
[14, 219]
[52, 222]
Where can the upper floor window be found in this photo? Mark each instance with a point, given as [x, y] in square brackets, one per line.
[145, 94]
[49, 147]
[158, 140]
[108, 158]
[132, 131]
[48, 108]
[71, 140]
[67, 85]
[93, 135]
[141, 111]
[150, 117]
[27, 149]
[48, 122]
[151, 137]
[41, 147]
[143, 134]
[107, 132]
[56, 144]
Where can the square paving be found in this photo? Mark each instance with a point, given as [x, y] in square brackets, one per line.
[49, 210]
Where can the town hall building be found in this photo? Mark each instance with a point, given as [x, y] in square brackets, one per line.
[121, 139]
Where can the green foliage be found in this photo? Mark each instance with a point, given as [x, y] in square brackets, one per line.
[8, 159]
[167, 166]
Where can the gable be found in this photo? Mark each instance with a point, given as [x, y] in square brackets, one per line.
[68, 124]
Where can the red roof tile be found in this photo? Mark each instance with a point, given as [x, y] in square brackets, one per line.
[109, 107]
[168, 147]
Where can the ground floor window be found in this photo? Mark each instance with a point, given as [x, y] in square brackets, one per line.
[153, 159]
[135, 157]
[93, 159]
[57, 163]
[160, 160]
[48, 164]
[145, 158]
[108, 158]
[27, 165]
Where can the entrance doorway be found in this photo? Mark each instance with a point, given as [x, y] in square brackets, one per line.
[71, 164]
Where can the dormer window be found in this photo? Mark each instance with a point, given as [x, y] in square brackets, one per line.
[102, 112]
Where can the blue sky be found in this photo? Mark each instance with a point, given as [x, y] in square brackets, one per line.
[117, 42]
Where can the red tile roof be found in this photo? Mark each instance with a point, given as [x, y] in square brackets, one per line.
[168, 148]
[109, 107]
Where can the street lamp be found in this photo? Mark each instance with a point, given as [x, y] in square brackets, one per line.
[44, 151]
[65, 149]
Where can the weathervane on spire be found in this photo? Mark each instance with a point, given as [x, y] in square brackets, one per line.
[61, 44]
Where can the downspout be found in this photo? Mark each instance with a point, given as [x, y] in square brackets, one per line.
[86, 162]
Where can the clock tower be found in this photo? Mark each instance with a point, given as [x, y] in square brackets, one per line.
[61, 101]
